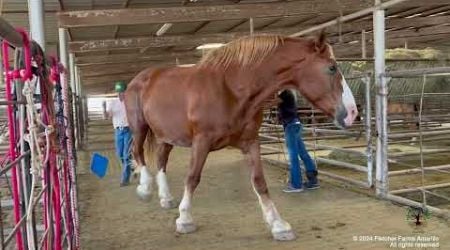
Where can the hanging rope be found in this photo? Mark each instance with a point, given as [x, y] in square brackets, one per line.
[37, 161]
[51, 163]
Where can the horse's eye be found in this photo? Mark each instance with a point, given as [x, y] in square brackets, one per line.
[332, 69]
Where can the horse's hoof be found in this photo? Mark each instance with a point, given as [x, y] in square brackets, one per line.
[168, 204]
[284, 235]
[143, 192]
[185, 228]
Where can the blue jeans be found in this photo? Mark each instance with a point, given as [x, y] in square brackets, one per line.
[296, 148]
[123, 143]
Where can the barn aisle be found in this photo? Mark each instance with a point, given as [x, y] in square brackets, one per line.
[226, 210]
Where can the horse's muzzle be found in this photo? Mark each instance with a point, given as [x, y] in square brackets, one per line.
[345, 116]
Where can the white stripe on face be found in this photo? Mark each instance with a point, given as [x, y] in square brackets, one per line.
[347, 96]
[349, 103]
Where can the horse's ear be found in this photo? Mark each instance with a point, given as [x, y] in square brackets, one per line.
[320, 42]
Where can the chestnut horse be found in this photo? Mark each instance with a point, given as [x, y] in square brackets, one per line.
[218, 103]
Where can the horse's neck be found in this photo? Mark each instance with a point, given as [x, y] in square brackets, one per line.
[252, 88]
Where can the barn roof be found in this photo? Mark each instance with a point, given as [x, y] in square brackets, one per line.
[114, 39]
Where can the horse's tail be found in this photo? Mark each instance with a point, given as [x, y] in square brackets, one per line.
[149, 152]
[150, 148]
[140, 130]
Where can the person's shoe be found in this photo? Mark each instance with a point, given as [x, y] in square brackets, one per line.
[124, 184]
[313, 182]
[312, 185]
[291, 189]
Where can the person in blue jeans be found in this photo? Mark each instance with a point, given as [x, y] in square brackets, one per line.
[287, 114]
[122, 133]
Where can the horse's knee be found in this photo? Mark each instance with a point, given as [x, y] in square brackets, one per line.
[259, 183]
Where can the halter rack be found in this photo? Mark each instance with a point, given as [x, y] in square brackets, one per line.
[47, 163]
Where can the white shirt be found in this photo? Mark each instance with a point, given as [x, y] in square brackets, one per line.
[116, 109]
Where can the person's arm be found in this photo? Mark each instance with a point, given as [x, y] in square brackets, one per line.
[280, 118]
[107, 112]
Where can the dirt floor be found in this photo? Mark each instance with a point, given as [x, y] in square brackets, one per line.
[227, 212]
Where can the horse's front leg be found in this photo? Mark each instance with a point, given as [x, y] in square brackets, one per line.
[280, 229]
[200, 150]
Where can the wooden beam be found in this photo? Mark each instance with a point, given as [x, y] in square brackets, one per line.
[147, 42]
[406, 34]
[347, 50]
[201, 26]
[143, 42]
[392, 23]
[125, 58]
[90, 70]
[116, 30]
[88, 75]
[89, 18]
[97, 70]
[108, 78]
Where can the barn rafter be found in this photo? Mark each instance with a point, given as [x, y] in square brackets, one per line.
[127, 31]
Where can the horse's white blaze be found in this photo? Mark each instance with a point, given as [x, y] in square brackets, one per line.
[144, 189]
[185, 209]
[163, 189]
[349, 103]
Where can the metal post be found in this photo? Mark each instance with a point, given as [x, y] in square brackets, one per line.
[74, 107]
[251, 26]
[363, 44]
[36, 19]
[368, 128]
[381, 101]
[72, 73]
[63, 58]
[37, 32]
[79, 103]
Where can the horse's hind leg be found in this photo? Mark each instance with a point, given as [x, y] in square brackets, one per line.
[281, 230]
[200, 150]
[144, 188]
[165, 198]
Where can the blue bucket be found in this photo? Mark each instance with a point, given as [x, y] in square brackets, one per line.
[99, 165]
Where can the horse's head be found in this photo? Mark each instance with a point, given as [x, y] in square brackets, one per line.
[320, 81]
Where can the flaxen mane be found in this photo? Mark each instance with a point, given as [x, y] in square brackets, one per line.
[242, 52]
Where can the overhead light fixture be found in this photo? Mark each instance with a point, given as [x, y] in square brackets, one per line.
[210, 46]
[164, 28]
[185, 65]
